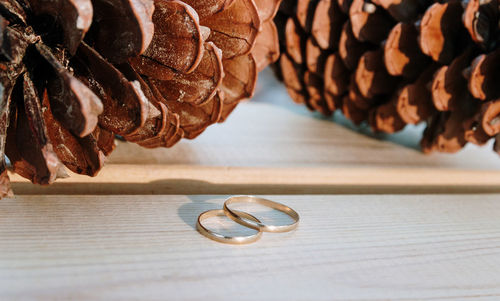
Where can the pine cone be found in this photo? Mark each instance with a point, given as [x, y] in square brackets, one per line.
[75, 73]
[397, 62]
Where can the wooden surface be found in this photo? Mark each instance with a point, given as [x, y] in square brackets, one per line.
[385, 247]
[115, 245]
[278, 149]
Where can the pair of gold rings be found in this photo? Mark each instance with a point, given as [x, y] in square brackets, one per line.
[246, 219]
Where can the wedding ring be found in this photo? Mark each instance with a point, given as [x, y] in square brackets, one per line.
[228, 239]
[238, 217]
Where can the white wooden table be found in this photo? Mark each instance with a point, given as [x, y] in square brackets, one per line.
[424, 228]
[347, 247]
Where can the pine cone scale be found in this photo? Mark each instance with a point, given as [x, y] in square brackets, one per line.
[135, 31]
[125, 107]
[77, 18]
[168, 40]
[77, 106]
[238, 36]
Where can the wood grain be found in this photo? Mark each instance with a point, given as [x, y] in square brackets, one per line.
[391, 247]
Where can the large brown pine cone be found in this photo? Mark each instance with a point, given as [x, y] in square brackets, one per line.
[397, 62]
[75, 73]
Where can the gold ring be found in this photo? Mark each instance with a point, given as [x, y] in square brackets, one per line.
[256, 224]
[227, 239]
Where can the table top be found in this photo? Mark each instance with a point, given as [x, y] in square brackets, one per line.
[386, 222]
[347, 247]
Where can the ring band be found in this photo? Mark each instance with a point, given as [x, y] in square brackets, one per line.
[227, 239]
[238, 217]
